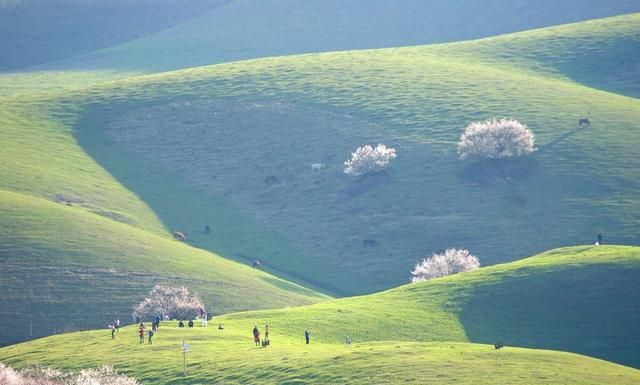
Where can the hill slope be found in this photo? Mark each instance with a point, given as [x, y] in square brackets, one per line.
[66, 269]
[211, 136]
[578, 299]
[38, 31]
[575, 291]
[220, 132]
[229, 358]
[568, 52]
[247, 29]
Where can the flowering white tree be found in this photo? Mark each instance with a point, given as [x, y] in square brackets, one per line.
[39, 375]
[452, 261]
[496, 139]
[369, 159]
[174, 302]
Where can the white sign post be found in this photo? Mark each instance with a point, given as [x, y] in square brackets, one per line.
[185, 348]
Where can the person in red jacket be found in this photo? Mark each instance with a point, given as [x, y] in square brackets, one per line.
[141, 333]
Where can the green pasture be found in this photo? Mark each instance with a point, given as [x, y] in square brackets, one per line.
[219, 132]
[412, 334]
[98, 168]
[69, 269]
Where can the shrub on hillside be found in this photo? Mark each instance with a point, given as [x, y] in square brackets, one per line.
[174, 302]
[104, 375]
[451, 261]
[369, 159]
[496, 139]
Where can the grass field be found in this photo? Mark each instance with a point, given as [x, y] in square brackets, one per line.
[403, 335]
[67, 269]
[247, 29]
[33, 32]
[218, 132]
[81, 167]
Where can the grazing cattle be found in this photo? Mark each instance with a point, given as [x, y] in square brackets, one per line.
[256, 264]
[498, 345]
[271, 180]
[178, 236]
[318, 166]
[369, 243]
[584, 122]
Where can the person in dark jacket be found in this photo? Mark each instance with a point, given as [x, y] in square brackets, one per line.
[256, 335]
[307, 335]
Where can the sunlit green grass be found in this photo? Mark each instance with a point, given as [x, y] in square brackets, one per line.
[402, 335]
[579, 183]
[89, 269]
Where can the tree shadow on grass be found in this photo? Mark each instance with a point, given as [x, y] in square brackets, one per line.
[366, 183]
[549, 146]
[499, 170]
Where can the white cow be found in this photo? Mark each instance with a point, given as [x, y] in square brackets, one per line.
[318, 166]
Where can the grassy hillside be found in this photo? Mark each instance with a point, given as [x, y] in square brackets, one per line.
[588, 294]
[217, 133]
[579, 299]
[229, 358]
[78, 248]
[66, 269]
[38, 31]
[568, 52]
[145, 156]
[247, 29]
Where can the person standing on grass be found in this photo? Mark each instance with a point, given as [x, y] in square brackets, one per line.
[256, 335]
[113, 331]
[266, 332]
[150, 336]
[307, 335]
[117, 324]
[141, 333]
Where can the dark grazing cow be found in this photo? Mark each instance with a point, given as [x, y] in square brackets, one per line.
[369, 243]
[584, 122]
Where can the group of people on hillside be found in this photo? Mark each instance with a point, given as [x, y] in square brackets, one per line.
[256, 336]
[150, 333]
[265, 342]
[114, 327]
[143, 331]
[190, 323]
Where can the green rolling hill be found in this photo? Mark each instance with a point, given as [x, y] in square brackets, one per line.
[568, 52]
[94, 179]
[64, 268]
[578, 299]
[34, 32]
[245, 29]
[215, 134]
